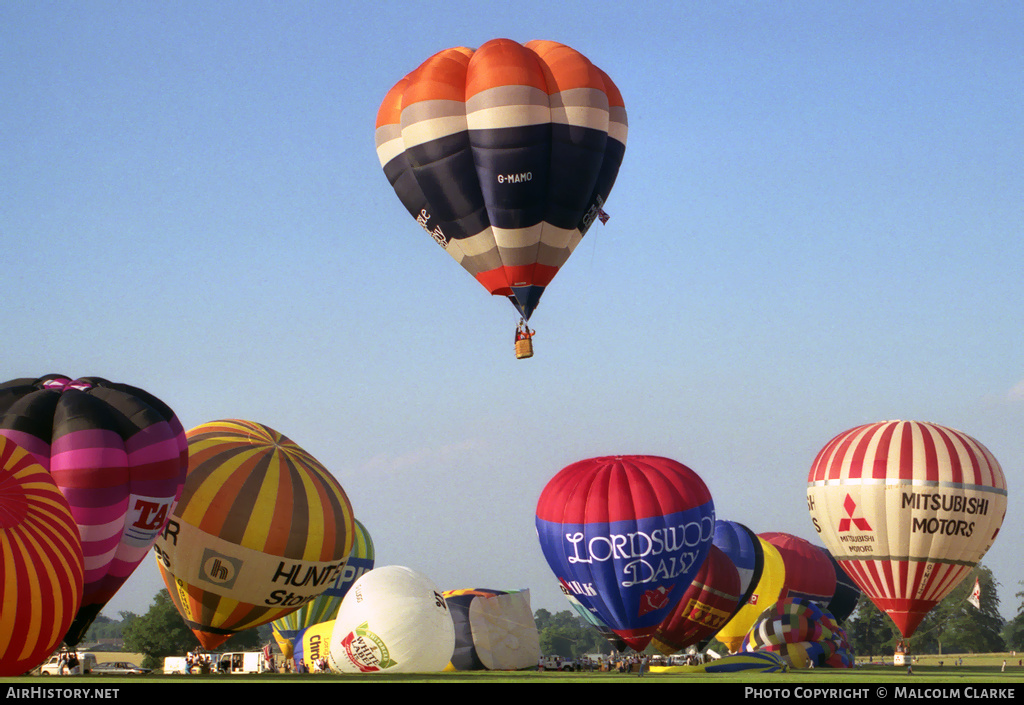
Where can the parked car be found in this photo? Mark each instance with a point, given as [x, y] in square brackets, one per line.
[557, 663]
[119, 668]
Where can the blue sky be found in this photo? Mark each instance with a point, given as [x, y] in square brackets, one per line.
[817, 224]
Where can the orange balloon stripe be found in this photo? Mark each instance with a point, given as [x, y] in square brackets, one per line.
[441, 77]
[502, 62]
[565, 68]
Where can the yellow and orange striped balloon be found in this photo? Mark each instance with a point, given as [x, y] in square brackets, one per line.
[42, 571]
[261, 529]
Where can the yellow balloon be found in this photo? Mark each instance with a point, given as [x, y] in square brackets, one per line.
[261, 529]
[766, 594]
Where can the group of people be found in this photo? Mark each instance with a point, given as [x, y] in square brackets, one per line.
[317, 665]
[67, 663]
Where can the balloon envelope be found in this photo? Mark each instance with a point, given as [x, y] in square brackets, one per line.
[809, 572]
[289, 628]
[765, 593]
[907, 508]
[262, 528]
[742, 546]
[504, 155]
[626, 535]
[844, 601]
[800, 631]
[494, 630]
[118, 455]
[593, 620]
[41, 565]
[393, 619]
[707, 605]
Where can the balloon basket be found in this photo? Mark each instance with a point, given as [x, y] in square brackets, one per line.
[524, 348]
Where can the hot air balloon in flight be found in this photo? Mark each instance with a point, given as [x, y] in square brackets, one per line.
[42, 569]
[707, 605]
[395, 620]
[288, 630]
[626, 535]
[907, 508]
[505, 155]
[262, 529]
[118, 455]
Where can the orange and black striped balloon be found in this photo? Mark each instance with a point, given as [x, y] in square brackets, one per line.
[505, 155]
[261, 529]
[42, 570]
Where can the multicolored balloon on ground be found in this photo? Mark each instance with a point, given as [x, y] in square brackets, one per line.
[288, 629]
[394, 619]
[505, 155]
[42, 570]
[118, 455]
[749, 662]
[799, 631]
[626, 535]
[494, 630]
[262, 529]
[907, 508]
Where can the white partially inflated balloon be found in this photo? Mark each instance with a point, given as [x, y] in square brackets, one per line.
[392, 619]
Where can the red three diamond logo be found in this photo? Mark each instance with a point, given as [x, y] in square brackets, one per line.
[860, 522]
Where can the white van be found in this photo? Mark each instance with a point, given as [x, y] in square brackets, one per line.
[240, 662]
[86, 661]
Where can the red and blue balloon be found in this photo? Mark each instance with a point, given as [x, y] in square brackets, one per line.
[625, 536]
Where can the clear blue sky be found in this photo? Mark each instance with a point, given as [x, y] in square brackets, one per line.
[817, 224]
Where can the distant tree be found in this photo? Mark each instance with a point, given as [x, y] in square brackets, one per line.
[567, 634]
[159, 633]
[869, 630]
[957, 626]
[1013, 631]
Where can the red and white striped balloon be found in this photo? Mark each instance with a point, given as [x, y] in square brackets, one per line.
[42, 570]
[908, 508]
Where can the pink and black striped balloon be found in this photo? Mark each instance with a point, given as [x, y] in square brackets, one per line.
[118, 455]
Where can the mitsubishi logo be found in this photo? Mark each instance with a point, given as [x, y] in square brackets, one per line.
[859, 522]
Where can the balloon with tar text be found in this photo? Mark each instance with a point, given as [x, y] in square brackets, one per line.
[118, 455]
